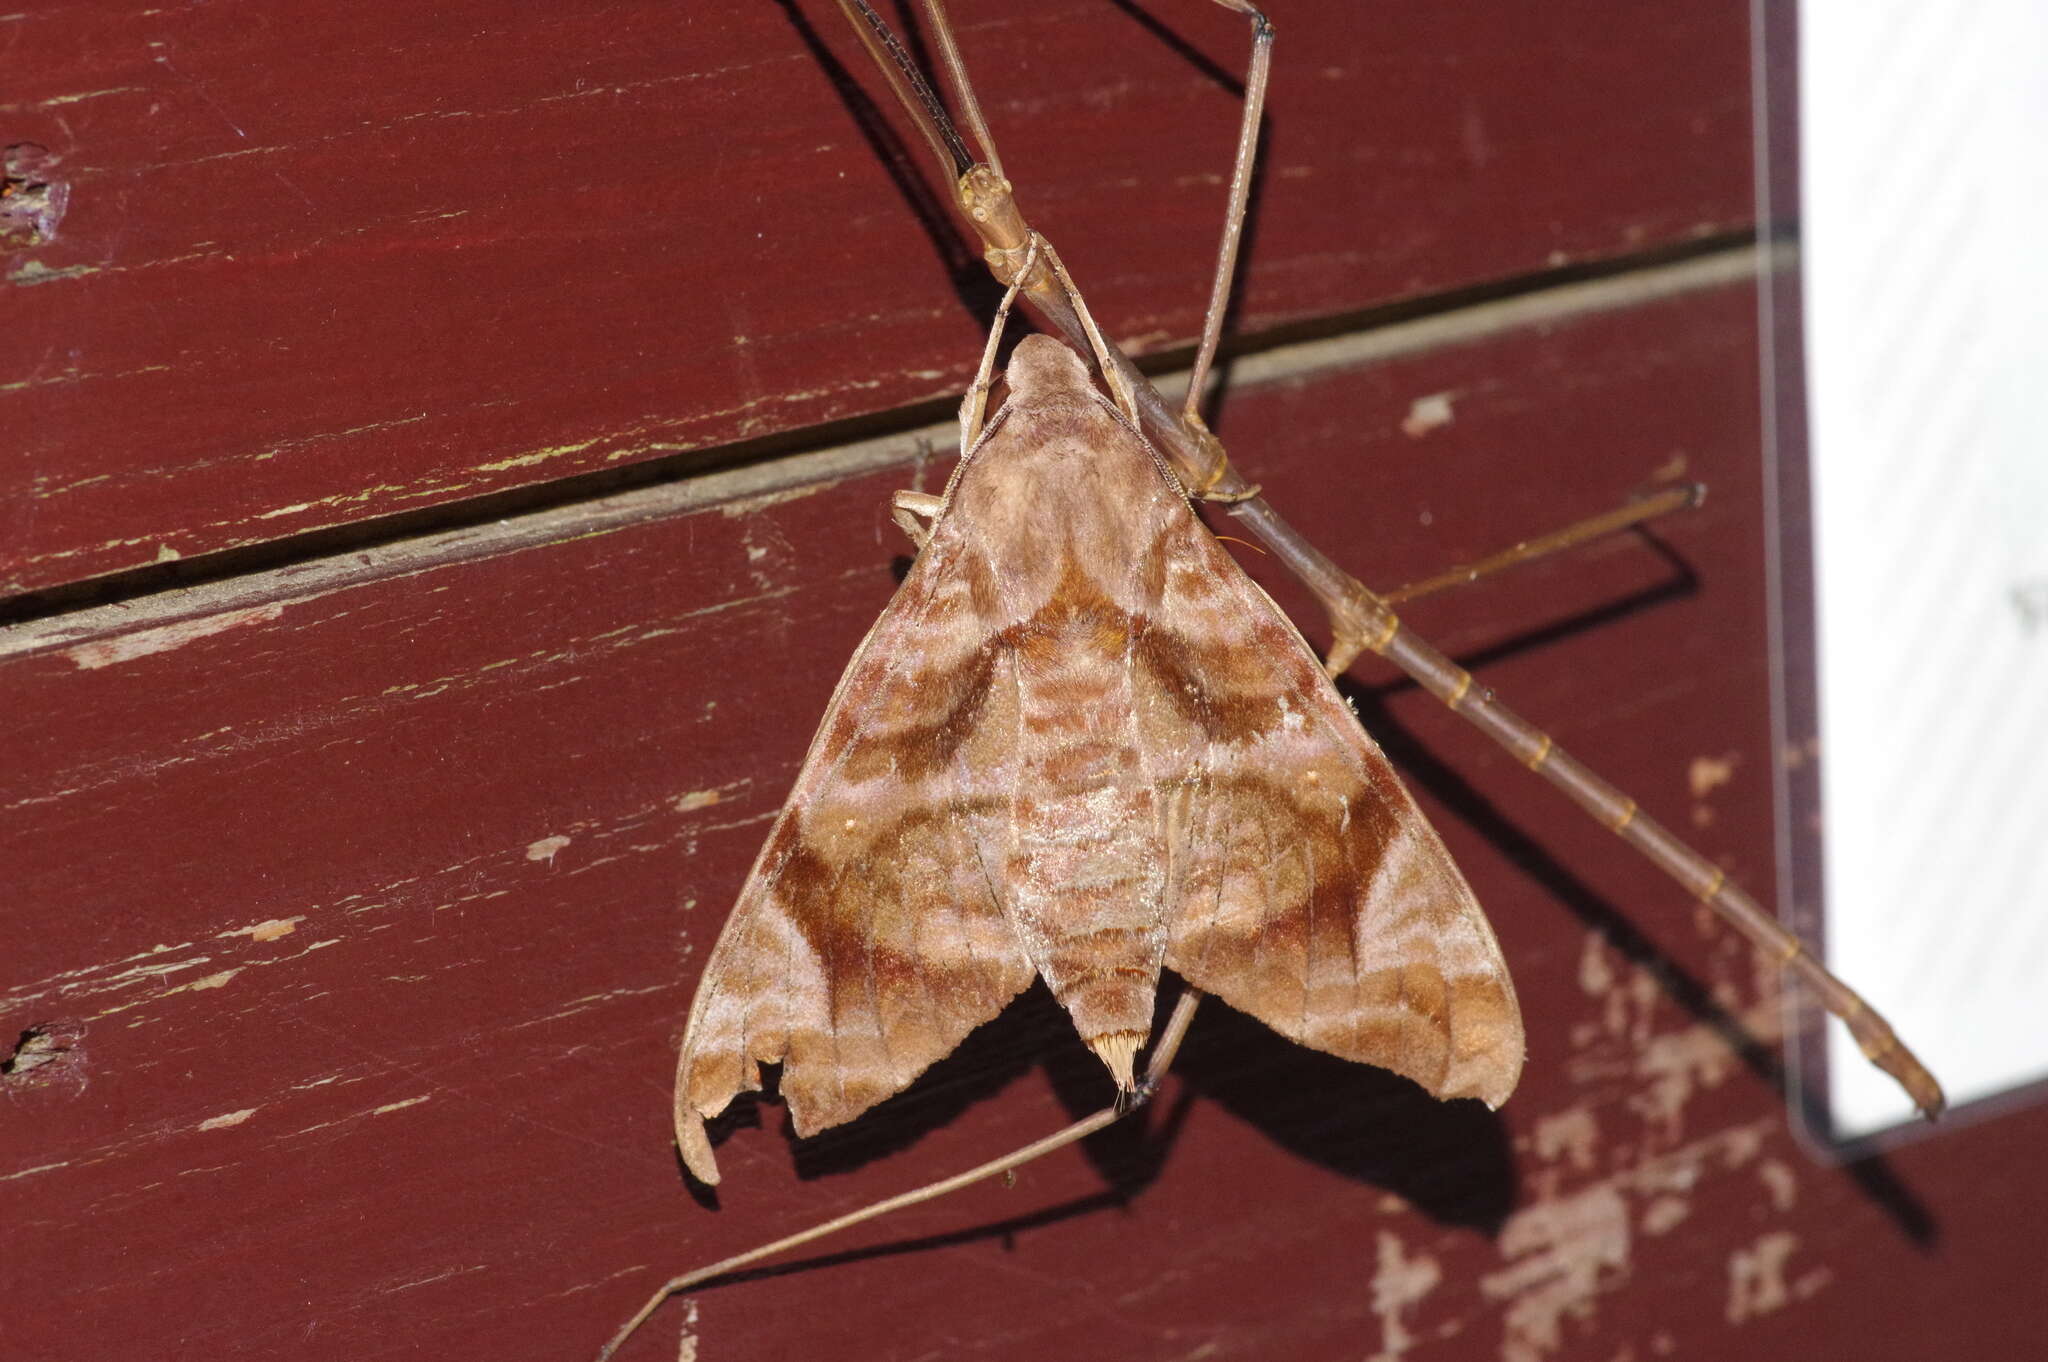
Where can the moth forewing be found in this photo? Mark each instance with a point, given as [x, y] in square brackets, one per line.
[1080, 743]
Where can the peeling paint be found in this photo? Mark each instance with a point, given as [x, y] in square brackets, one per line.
[542, 455]
[33, 272]
[1756, 1276]
[39, 1168]
[33, 196]
[1399, 1283]
[92, 656]
[1596, 972]
[389, 1107]
[1676, 1065]
[1780, 1182]
[686, 1345]
[1572, 1134]
[1665, 1214]
[233, 1118]
[545, 848]
[216, 980]
[1704, 776]
[267, 931]
[1708, 774]
[695, 799]
[57, 101]
[1426, 414]
[1563, 1253]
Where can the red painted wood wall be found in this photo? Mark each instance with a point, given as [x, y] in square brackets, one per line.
[446, 449]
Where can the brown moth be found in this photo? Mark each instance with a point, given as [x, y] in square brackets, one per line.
[1081, 744]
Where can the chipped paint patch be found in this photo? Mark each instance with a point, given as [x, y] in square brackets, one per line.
[1563, 1253]
[1780, 1182]
[1573, 1134]
[92, 656]
[695, 799]
[686, 1346]
[538, 456]
[233, 1118]
[33, 272]
[39, 1168]
[215, 980]
[1756, 1276]
[1676, 1065]
[267, 931]
[1426, 414]
[1708, 774]
[1704, 776]
[1596, 971]
[1399, 1283]
[389, 1107]
[1665, 1214]
[545, 848]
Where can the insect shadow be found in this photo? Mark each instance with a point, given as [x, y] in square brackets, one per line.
[977, 289]
[1364, 1123]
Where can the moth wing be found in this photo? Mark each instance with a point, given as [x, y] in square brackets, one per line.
[1309, 891]
[868, 941]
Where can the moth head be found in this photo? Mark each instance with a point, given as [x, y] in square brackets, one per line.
[1041, 368]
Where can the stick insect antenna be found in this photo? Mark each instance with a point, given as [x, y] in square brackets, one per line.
[915, 93]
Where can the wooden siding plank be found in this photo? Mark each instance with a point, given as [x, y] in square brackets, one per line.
[328, 266]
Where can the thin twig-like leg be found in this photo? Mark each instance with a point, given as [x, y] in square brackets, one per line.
[1233, 219]
[974, 406]
[1361, 620]
[1155, 1069]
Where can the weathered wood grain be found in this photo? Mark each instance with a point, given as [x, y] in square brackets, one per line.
[365, 899]
[328, 266]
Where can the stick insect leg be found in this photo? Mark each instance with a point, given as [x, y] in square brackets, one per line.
[963, 88]
[1233, 222]
[1155, 1070]
[1679, 498]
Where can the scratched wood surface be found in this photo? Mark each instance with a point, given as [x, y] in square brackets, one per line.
[325, 266]
[354, 894]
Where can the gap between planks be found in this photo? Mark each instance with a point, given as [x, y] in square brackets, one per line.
[324, 574]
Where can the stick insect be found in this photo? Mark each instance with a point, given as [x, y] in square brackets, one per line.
[740, 1021]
